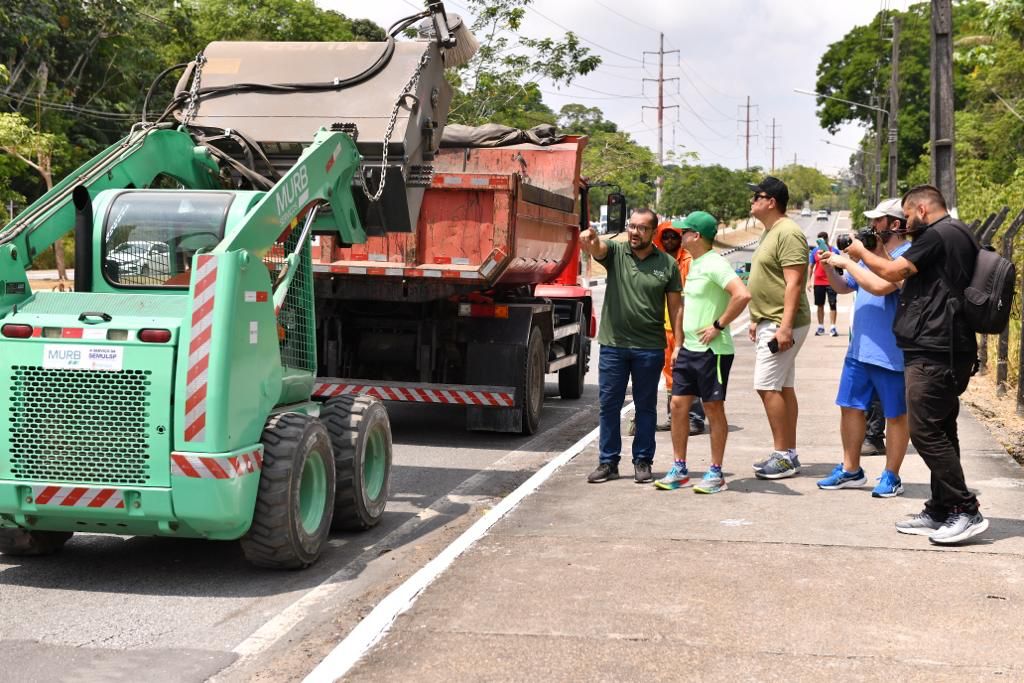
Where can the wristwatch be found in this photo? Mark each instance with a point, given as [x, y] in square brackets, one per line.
[718, 326]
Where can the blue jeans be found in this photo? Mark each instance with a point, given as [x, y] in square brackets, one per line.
[615, 368]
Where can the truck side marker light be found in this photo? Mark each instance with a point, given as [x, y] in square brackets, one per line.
[155, 336]
[255, 297]
[16, 331]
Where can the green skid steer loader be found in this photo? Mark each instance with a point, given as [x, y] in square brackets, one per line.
[170, 393]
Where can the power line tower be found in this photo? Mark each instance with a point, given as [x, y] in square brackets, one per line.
[660, 80]
[774, 139]
[745, 119]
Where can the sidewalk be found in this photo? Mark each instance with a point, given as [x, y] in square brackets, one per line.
[771, 580]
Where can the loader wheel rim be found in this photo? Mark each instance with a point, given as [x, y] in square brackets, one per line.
[374, 464]
[312, 492]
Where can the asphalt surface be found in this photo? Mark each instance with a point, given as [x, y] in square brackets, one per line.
[107, 607]
[187, 610]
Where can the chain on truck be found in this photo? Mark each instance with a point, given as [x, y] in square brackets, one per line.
[257, 269]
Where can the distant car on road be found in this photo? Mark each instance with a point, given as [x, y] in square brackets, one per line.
[806, 211]
[822, 215]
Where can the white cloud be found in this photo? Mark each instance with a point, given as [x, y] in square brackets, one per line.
[729, 49]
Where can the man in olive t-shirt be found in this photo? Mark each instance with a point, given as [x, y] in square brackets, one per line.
[642, 280]
[779, 320]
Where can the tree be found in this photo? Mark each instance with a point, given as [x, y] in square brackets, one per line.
[37, 151]
[616, 159]
[579, 119]
[499, 85]
[720, 191]
[857, 68]
[804, 182]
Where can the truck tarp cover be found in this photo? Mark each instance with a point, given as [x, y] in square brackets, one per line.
[497, 135]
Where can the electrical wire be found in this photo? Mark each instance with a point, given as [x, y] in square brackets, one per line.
[631, 20]
[69, 107]
[586, 40]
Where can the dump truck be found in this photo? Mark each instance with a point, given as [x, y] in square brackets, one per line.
[172, 393]
[479, 303]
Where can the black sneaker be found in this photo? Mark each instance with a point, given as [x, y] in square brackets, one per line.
[603, 473]
[642, 472]
[696, 426]
[872, 447]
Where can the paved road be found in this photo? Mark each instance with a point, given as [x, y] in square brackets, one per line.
[184, 610]
[108, 607]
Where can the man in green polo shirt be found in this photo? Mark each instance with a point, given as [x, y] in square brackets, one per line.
[714, 296]
[642, 280]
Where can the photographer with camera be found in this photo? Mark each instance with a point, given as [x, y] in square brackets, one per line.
[940, 355]
[874, 363]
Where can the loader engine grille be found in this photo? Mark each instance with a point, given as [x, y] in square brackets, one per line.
[79, 425]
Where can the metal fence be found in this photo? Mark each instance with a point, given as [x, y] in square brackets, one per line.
[1007, 368]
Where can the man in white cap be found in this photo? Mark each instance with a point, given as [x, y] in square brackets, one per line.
[874, 363]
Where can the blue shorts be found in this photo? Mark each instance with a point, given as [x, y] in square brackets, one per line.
[862, 381]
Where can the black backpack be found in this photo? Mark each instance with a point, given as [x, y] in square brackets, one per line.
[988, 298]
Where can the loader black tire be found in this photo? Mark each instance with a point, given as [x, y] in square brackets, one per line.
[294, 504]
[572, 378]
[28, 543]
[361, 438]
[530, 386]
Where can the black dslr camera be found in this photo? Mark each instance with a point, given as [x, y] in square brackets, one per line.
[867, 236]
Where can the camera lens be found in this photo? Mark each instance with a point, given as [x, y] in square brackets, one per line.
[844, 241]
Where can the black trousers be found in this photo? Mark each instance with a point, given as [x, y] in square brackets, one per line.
[875, 428]
[933, 404]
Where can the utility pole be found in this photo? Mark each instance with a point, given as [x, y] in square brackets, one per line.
[894, 105]
[774, 147]
[878, 150]
[661, 115]
[943, 172]
[746, 119]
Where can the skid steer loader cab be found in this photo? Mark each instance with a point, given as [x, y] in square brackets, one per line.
[150, 236]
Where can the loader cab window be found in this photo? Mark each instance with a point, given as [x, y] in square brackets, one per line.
[150, 236]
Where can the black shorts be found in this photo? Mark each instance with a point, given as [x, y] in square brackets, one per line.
[701, 373]
[822, 291]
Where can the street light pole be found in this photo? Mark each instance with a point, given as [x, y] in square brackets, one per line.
[890, 115]
[894, 104]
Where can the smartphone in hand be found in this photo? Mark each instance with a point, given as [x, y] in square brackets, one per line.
[773, 345]
[822, 245]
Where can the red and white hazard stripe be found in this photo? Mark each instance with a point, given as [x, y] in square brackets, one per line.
[216, 467]
[78, 496]
[199, 348]
[452, 396]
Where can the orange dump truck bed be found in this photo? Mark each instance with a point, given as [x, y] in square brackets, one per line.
[492, 217]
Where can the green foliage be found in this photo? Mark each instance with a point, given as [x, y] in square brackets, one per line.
[720, 191]
[579, 119]
[613, 157]
[499, 84]
[804, 182]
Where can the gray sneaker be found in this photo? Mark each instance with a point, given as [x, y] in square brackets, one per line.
[921, 524]
[760, 464]
[779, 467]
[959, 526]
[642, 472]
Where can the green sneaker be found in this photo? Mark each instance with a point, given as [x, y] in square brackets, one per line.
[711, 482]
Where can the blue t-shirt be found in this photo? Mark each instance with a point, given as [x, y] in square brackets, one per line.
[872, 340]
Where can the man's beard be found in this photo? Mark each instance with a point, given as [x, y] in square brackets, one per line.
[641, 244]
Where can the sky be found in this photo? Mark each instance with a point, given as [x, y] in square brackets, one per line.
[728, 50]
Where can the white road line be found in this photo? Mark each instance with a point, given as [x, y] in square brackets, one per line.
[378, 622]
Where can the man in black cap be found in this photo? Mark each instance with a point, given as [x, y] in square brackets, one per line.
[779, 321]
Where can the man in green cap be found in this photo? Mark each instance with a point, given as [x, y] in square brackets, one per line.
[713, 297]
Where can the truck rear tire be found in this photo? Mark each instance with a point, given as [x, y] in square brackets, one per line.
[27, 543]
[361, 438]
[531, 382]
[294, 504]
[572, 378]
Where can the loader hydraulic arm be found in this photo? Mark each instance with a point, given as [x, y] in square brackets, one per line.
[322, 174]
[135, 161]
